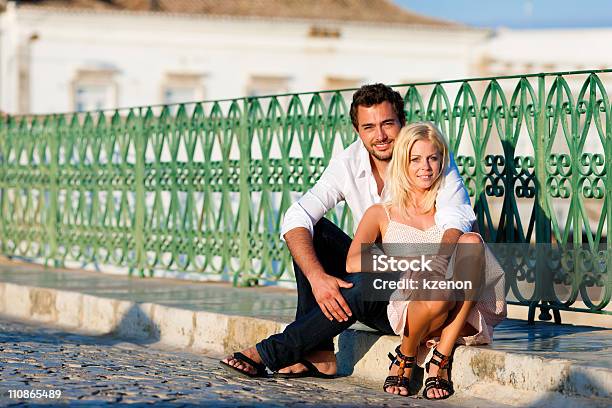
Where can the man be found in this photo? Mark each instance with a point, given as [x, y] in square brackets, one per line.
[319, 248]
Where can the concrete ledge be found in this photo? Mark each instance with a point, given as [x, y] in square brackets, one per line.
[134, 321]
[17, 301]
[2, 296]
[68, 306]
[577, 318]
[361, 354]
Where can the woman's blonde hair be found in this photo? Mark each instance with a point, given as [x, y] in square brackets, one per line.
[399, 190]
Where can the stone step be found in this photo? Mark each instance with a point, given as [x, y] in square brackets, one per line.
[361, 354]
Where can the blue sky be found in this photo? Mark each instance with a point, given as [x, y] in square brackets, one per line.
[517, 13]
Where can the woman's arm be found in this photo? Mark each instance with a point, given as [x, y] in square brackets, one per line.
[368, 231]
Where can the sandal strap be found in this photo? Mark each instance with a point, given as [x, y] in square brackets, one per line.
[440, 355]
[441, 364]
[399, 358]
[403, 362]
[397, 361]
[439, 359]
[444, 363]
[259, 367]
[437, 382]
[396, 381]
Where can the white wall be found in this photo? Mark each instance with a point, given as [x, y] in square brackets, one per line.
[521, 51]
[8, 60]
[143, 47]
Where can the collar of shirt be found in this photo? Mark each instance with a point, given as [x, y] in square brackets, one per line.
[364, 170]
[364, 167]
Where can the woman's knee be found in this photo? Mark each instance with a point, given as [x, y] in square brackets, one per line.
[436, 308]
[470, 238]
[469, 265]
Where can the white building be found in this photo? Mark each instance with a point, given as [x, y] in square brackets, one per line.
[74, 55]
[92, 54]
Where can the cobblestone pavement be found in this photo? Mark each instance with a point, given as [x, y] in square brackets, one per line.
[97, 371]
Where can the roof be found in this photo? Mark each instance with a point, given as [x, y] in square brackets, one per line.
[381, 11]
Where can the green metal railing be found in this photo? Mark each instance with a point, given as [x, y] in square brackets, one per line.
[201, 187]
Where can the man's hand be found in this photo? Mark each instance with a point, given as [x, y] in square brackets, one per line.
[326, 290]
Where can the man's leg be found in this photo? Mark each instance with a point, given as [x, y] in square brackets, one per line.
[331, 247]
[313, 329]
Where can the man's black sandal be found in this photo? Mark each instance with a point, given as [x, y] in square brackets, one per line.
[403, 362]
[444, 362]
[311, 371]
[259, 368]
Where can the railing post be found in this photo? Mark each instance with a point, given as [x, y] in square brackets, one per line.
[244, 221]
[53, 133]
[542, 217]
[138, 133]
[4, 129]
[607, 288]
[542, 227]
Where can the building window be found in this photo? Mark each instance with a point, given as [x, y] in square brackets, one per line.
[92, 97]
[335, 82]
[94, 90]
[267, 85]
[324, 32]
[181, 88]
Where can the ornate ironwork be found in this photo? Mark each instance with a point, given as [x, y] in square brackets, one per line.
[202, 187]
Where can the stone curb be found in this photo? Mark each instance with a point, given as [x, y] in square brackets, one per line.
[360, 354]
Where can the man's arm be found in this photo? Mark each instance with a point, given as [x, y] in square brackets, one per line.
[454, 213]
[325, 288]
[312, 206]
[299, 242]
[453, 208]
[297, 230]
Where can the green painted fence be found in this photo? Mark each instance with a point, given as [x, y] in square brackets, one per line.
[201, 187]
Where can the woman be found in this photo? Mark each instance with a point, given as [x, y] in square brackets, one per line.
[407, 216]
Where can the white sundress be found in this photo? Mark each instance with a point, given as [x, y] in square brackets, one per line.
[488, 311]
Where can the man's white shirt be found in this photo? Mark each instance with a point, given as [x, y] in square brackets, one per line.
[349, 178]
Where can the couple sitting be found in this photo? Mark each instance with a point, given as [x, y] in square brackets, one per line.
[424, 201]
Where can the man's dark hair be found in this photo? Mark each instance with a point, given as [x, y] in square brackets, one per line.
[369, 95]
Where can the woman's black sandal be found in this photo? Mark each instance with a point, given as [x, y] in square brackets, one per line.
[403, 362]
[444, 362]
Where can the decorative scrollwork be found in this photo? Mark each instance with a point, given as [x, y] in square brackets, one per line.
[202, 187]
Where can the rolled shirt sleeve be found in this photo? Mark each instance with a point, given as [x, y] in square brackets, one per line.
[322, 197]
[453, 208]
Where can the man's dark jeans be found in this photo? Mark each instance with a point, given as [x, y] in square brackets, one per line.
[331, 246]
[311, 330]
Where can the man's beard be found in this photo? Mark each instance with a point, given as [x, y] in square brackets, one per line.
[382, 156]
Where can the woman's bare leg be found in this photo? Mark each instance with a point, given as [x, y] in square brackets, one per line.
[469, 266]
[423, 317]
[448, 336]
